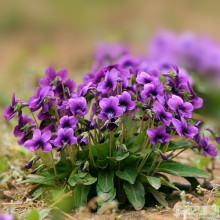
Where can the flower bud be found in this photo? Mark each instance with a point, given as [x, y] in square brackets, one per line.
[93, 124]
[112, 126]
[39, 169]
[84, 141]
[102, 140]
[163, 156]
[117, 135]
[86, 166]
[103, 128]
[30, 163]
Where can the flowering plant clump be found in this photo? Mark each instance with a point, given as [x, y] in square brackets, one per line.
[116, 136]
[199, 56]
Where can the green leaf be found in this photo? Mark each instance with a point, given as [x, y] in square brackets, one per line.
[38, 192]
[81, 174]
[49, 180]
[135, 194]
[143, 153]
[178, 145]
[154, 181]
[79, 162]
[33, 215]
[201, 162]
[74, 178]
[105, 180]
[129, 174]
[169, 184]
[80, 195]
[218, 203]
[121, 155]
[82, 155]
[43, 213]
[89, 180]
[107, 196]
[127, 122]
[102, 164]
[179, 169]
[158, 196]
[3, 164]
[101, 150]
[86, 179]
[43, 156]
[133, 144]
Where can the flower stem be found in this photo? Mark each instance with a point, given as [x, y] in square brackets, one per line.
[64, 94]
[53, 164]
[90, 152]
[142, 121]
[137, 92]
[163, 151]
[91, 156]
[143, 162]
[35, 119]
[110, 144]
[178, 153]
[152, 165]
[56, 111]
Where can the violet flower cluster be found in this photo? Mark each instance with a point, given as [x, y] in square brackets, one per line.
[62, 117]
[196, 53]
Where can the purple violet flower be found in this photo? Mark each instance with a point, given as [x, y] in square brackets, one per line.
[52, 78]
[110, 108]
[182, 128]
[24, 125]
[158, 135]
[64, 89]
[46, 112]
[25, 138]
[78, 106]
[196, 101]
[36, 101]
[82, 90]
[65, 137]
[127, 62]
[207, 149]
[6, 217]
[217, 140]
[184, 109]
[39, 140]
[10, 111]
[152, 90]
[48, 124]
[83, 141]
[109, 83]
[125, 102]
[161, 114]
[144, 78]
[68, 122]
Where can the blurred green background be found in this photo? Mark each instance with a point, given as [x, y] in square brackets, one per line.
[63, 34]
